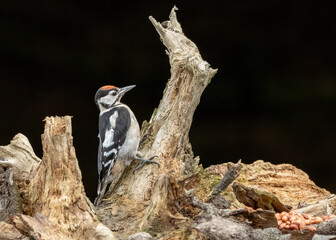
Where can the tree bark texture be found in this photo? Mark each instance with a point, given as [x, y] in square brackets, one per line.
[54, 203]
[45, 198]
[147, 199]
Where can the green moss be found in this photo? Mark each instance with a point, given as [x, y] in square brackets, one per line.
[206, 184]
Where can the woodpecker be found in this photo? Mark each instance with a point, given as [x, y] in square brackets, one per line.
[119, 137]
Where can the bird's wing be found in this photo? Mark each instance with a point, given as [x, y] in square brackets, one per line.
[113, 127]
[99, 162]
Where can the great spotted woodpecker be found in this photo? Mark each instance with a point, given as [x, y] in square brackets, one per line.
[119, 137]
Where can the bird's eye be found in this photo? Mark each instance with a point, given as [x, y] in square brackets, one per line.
[114, 93]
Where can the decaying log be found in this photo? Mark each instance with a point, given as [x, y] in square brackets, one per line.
[147, 199]
[54, 202]
[257, 198]
[290, 184]
[53, 197]
[322, 208]
[20, 157]
[154, 200]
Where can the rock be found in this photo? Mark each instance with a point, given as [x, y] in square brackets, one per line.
[323, 237]
[327, 227]
[140, 236]
[218, 228]
[267, 233]
[257, 198]
[285, 237]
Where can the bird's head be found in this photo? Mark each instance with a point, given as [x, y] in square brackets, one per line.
[108, 96]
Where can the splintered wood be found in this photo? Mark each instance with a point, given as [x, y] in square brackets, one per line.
[291, 185]
[180, 199]
[154, 191]
[54, 202]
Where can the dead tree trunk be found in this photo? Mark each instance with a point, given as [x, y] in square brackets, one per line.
[49, 201]
[148, 197]
[53, 198]
[54, 203]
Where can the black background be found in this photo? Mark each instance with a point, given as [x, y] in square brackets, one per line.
[273, 97]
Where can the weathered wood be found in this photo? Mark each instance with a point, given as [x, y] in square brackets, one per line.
[322, 208]
[10, 232]
[146, 199]
[211, 209]
[153, 199]
[53, 196]
[215, 198]
[228, 178]
[10, 203]
[54, 202]
[19, 155]
[257, 198]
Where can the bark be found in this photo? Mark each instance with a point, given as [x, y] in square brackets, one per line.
[53, 198]
[166, 201]
[147, 199]
[54, 203]
[228, 178]
[322, 208]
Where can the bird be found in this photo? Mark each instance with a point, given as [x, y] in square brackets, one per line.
[119, 138]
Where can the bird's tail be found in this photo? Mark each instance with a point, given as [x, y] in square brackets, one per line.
[100, 194]
[107, 184]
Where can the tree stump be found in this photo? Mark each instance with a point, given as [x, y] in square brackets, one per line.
[54, 203]
[147, 199]
[154, 199]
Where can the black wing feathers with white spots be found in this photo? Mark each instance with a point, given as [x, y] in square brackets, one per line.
[116, 122]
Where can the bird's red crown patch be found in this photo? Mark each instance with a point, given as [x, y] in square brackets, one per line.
[107, 87]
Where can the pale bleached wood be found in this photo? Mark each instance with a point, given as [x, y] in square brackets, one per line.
[54, 202]
[8, 231]
[146, 199]
[19, 155]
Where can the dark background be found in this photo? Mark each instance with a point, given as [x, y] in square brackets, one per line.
[273, 97]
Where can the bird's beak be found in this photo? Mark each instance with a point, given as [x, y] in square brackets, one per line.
[125, 89]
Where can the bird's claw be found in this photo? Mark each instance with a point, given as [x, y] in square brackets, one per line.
[144, 161]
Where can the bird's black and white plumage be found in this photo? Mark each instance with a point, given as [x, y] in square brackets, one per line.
[119, 137]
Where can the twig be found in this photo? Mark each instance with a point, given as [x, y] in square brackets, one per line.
[228, 178]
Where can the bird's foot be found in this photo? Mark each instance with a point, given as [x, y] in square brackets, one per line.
[144, 161]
